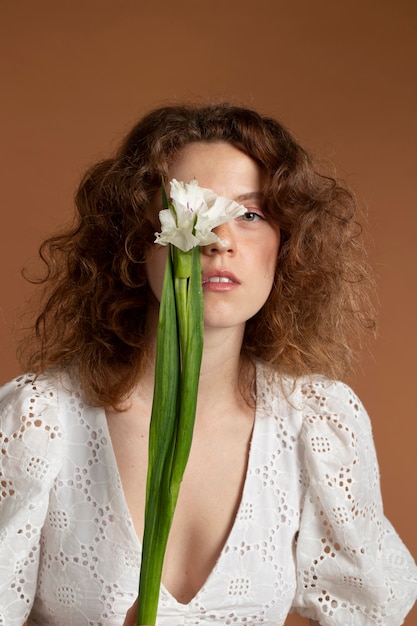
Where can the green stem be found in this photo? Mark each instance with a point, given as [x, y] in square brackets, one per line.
[190, 326]
[177, 371]
[162, 434]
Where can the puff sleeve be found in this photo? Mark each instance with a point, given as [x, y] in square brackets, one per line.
[31, 448]
[352, 568]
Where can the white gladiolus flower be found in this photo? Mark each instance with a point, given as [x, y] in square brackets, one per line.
[192, 214]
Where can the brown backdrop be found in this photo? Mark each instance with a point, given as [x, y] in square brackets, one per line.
[77, 73]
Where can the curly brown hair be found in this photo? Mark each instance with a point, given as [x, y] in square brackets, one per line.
[96, 291]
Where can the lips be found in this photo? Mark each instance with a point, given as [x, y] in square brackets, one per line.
[220, 280]
[220, 276]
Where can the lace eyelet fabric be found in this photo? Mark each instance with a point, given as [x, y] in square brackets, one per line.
[309, 536]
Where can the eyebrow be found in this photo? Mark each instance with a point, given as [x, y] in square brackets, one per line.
[252, 195]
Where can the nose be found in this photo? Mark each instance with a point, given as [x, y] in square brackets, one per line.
[225, 234]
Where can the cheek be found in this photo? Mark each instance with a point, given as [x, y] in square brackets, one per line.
[155, 267]
[270, 258]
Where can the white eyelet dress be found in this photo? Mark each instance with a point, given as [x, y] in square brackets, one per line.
[309, 536]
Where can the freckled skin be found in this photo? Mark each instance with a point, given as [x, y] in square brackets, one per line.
[252, 242]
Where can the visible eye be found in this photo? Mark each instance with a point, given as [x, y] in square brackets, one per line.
[252, 216]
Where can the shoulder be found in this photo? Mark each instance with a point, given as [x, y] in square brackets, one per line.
[316, 397]
[35, 422]
[336, 426]
[31, 412]
[329, 414]
[26, 397]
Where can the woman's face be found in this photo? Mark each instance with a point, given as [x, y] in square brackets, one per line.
[237, 278]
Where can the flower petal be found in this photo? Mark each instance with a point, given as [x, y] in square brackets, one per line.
[221, 211]
[193, 214]
[187, 197]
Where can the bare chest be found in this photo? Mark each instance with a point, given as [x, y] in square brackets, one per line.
[209, 497]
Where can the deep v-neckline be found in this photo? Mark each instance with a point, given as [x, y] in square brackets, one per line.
[243, 496]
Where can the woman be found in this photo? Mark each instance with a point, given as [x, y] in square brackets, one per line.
[280, 508]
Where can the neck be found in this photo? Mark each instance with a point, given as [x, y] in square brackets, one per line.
[222, 352]
[221, 368]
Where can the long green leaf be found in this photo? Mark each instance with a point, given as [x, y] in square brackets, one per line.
[177, 371]
[162, 435]
[191, 340]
